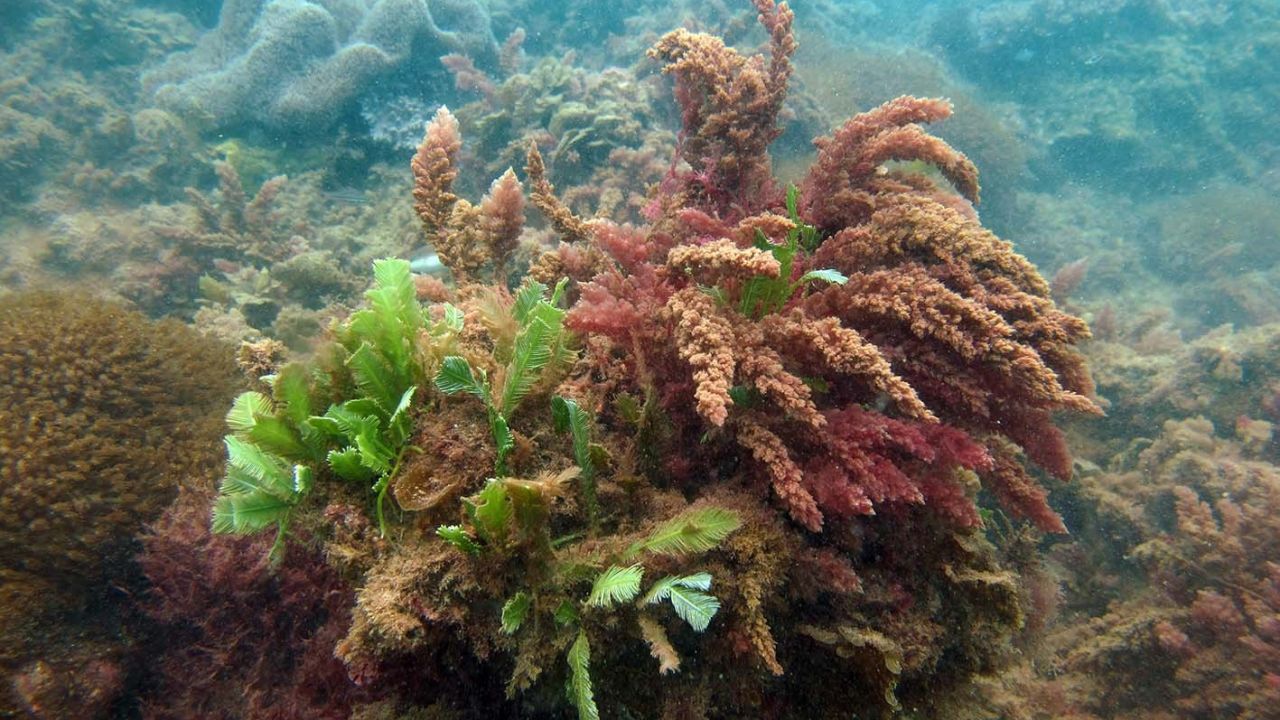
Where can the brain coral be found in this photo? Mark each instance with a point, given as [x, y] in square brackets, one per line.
[102, 414]
[293, 64]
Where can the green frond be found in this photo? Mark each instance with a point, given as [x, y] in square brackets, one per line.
[828, 275]
[515, 611]
[346, 464]
[503, 439]
[246, 409]
[694, 607]
[692, 532]
[616, 585]
[661, 590]
[248, 513]
[400, 426]
[391, 321]
[529, 295]
[566, 614]
[275, 435]
[303, 478]
[374, 377]
[375, 454]
[456, 376]
[490, 512]
[532, 352]
[456, 536]
[292, 389]
[568, 415]
[580, 692]
[453, 318]
[257, 468]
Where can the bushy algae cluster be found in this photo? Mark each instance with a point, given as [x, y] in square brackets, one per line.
[742, 450]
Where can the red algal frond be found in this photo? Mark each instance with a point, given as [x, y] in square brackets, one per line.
[434, 171]
[838, 190]
[785, 476]
[730, 105]
[1020, 494]
[705, 341]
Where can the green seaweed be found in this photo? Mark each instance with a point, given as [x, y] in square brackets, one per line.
[540, 344]
[764, 295]
[362, 436]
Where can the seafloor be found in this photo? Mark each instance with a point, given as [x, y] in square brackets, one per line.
[415, 359]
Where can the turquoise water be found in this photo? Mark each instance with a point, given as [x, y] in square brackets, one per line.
[936, 512]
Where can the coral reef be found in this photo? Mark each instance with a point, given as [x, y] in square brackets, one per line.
[105, 415]
[300, 66]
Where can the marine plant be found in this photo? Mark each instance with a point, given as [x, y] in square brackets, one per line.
[276, 443]
[539, 345]
[798, 398]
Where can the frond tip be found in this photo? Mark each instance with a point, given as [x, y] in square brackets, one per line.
[580, 679]
[616, 585]
[687, 597]
[693, 532]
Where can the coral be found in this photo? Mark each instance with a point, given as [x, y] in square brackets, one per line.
[105, 414]
[95, 384]
[298, 66]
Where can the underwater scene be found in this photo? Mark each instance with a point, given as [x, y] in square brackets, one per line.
[567, 359]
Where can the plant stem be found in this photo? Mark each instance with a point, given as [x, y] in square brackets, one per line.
[381, 487]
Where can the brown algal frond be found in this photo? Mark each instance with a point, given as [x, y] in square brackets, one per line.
[543, 194]
[839, 189]
[824, 342]
[434, 171]
[730, 106]
[502, 217]
[461, 244]
[914, 303]
[721, 260]
[785, 476]
[769, 224]
[909, 226]
[763, 368]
